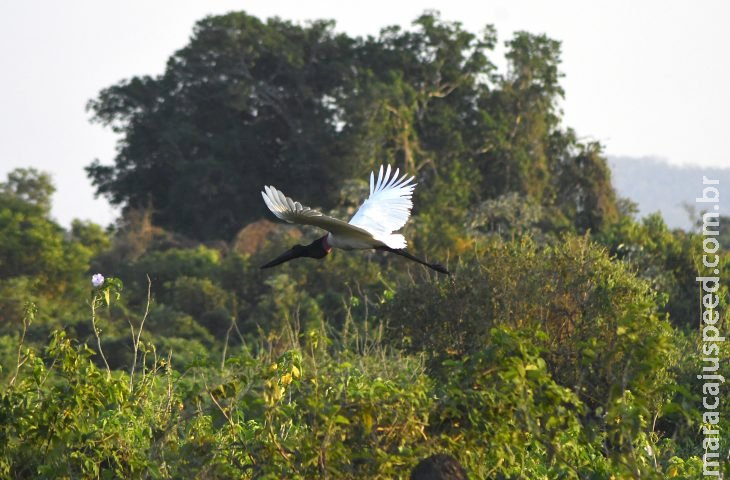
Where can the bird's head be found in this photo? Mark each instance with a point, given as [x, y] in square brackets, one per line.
[317, 249]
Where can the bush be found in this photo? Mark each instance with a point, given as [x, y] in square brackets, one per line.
[594, 323]
[196, 296]
[510, 417]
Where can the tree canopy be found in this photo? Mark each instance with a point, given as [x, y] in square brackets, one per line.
[248, 103]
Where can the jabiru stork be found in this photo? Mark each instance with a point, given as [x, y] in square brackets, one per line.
[385, 211]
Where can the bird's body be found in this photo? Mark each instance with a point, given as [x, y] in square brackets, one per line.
[352, 242]
[385, 211]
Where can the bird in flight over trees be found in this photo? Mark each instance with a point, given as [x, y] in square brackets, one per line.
[384, 212]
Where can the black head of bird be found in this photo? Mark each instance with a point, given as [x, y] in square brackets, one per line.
[316, 249]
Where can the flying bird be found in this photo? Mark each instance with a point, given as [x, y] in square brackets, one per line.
[384, 212]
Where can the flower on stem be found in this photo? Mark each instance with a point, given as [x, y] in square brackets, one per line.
[97, 280]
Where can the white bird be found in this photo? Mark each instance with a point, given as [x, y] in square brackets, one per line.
[385, 211]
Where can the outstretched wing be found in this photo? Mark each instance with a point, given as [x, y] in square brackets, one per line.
[294, 212]
[389, 205]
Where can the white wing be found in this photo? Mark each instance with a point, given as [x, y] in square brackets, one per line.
[389, 205]
[294, 212]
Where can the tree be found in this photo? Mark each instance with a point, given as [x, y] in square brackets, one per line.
[28, 187]
[580, 187]
[246, 103]
[38, 260]
[520, 116]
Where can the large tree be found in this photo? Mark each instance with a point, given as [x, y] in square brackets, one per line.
[246, 103]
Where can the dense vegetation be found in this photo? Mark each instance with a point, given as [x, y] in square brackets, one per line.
[563, 345]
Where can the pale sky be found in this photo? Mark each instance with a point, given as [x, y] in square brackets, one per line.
[649, 78]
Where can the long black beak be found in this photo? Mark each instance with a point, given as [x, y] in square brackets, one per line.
[285, 257]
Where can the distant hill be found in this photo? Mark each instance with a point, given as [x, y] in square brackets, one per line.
[656, 185]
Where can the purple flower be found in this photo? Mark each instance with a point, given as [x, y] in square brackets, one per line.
[97, 280]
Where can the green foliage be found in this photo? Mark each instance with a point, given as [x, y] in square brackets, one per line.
[506, 216]
[669, 260]
[197, 296]
[595, 324]
[166, 322]
[38, 259]
[507, 411]
[245, 103]
[27, 188]
[34, 246]
[341, 417]
[294, 416]
[83, 422]
[248, 103]
[91, 236]
[582, 189]
[315, 410]
[166, 266]
[571, 293]
[563, 345]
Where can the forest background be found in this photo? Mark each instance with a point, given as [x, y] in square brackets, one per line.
[563, 345]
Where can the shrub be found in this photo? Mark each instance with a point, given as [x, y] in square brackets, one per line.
[594, 322]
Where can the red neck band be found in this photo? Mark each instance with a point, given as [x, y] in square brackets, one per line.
[327, 247]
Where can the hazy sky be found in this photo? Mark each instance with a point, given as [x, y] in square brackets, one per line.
[646, 78]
